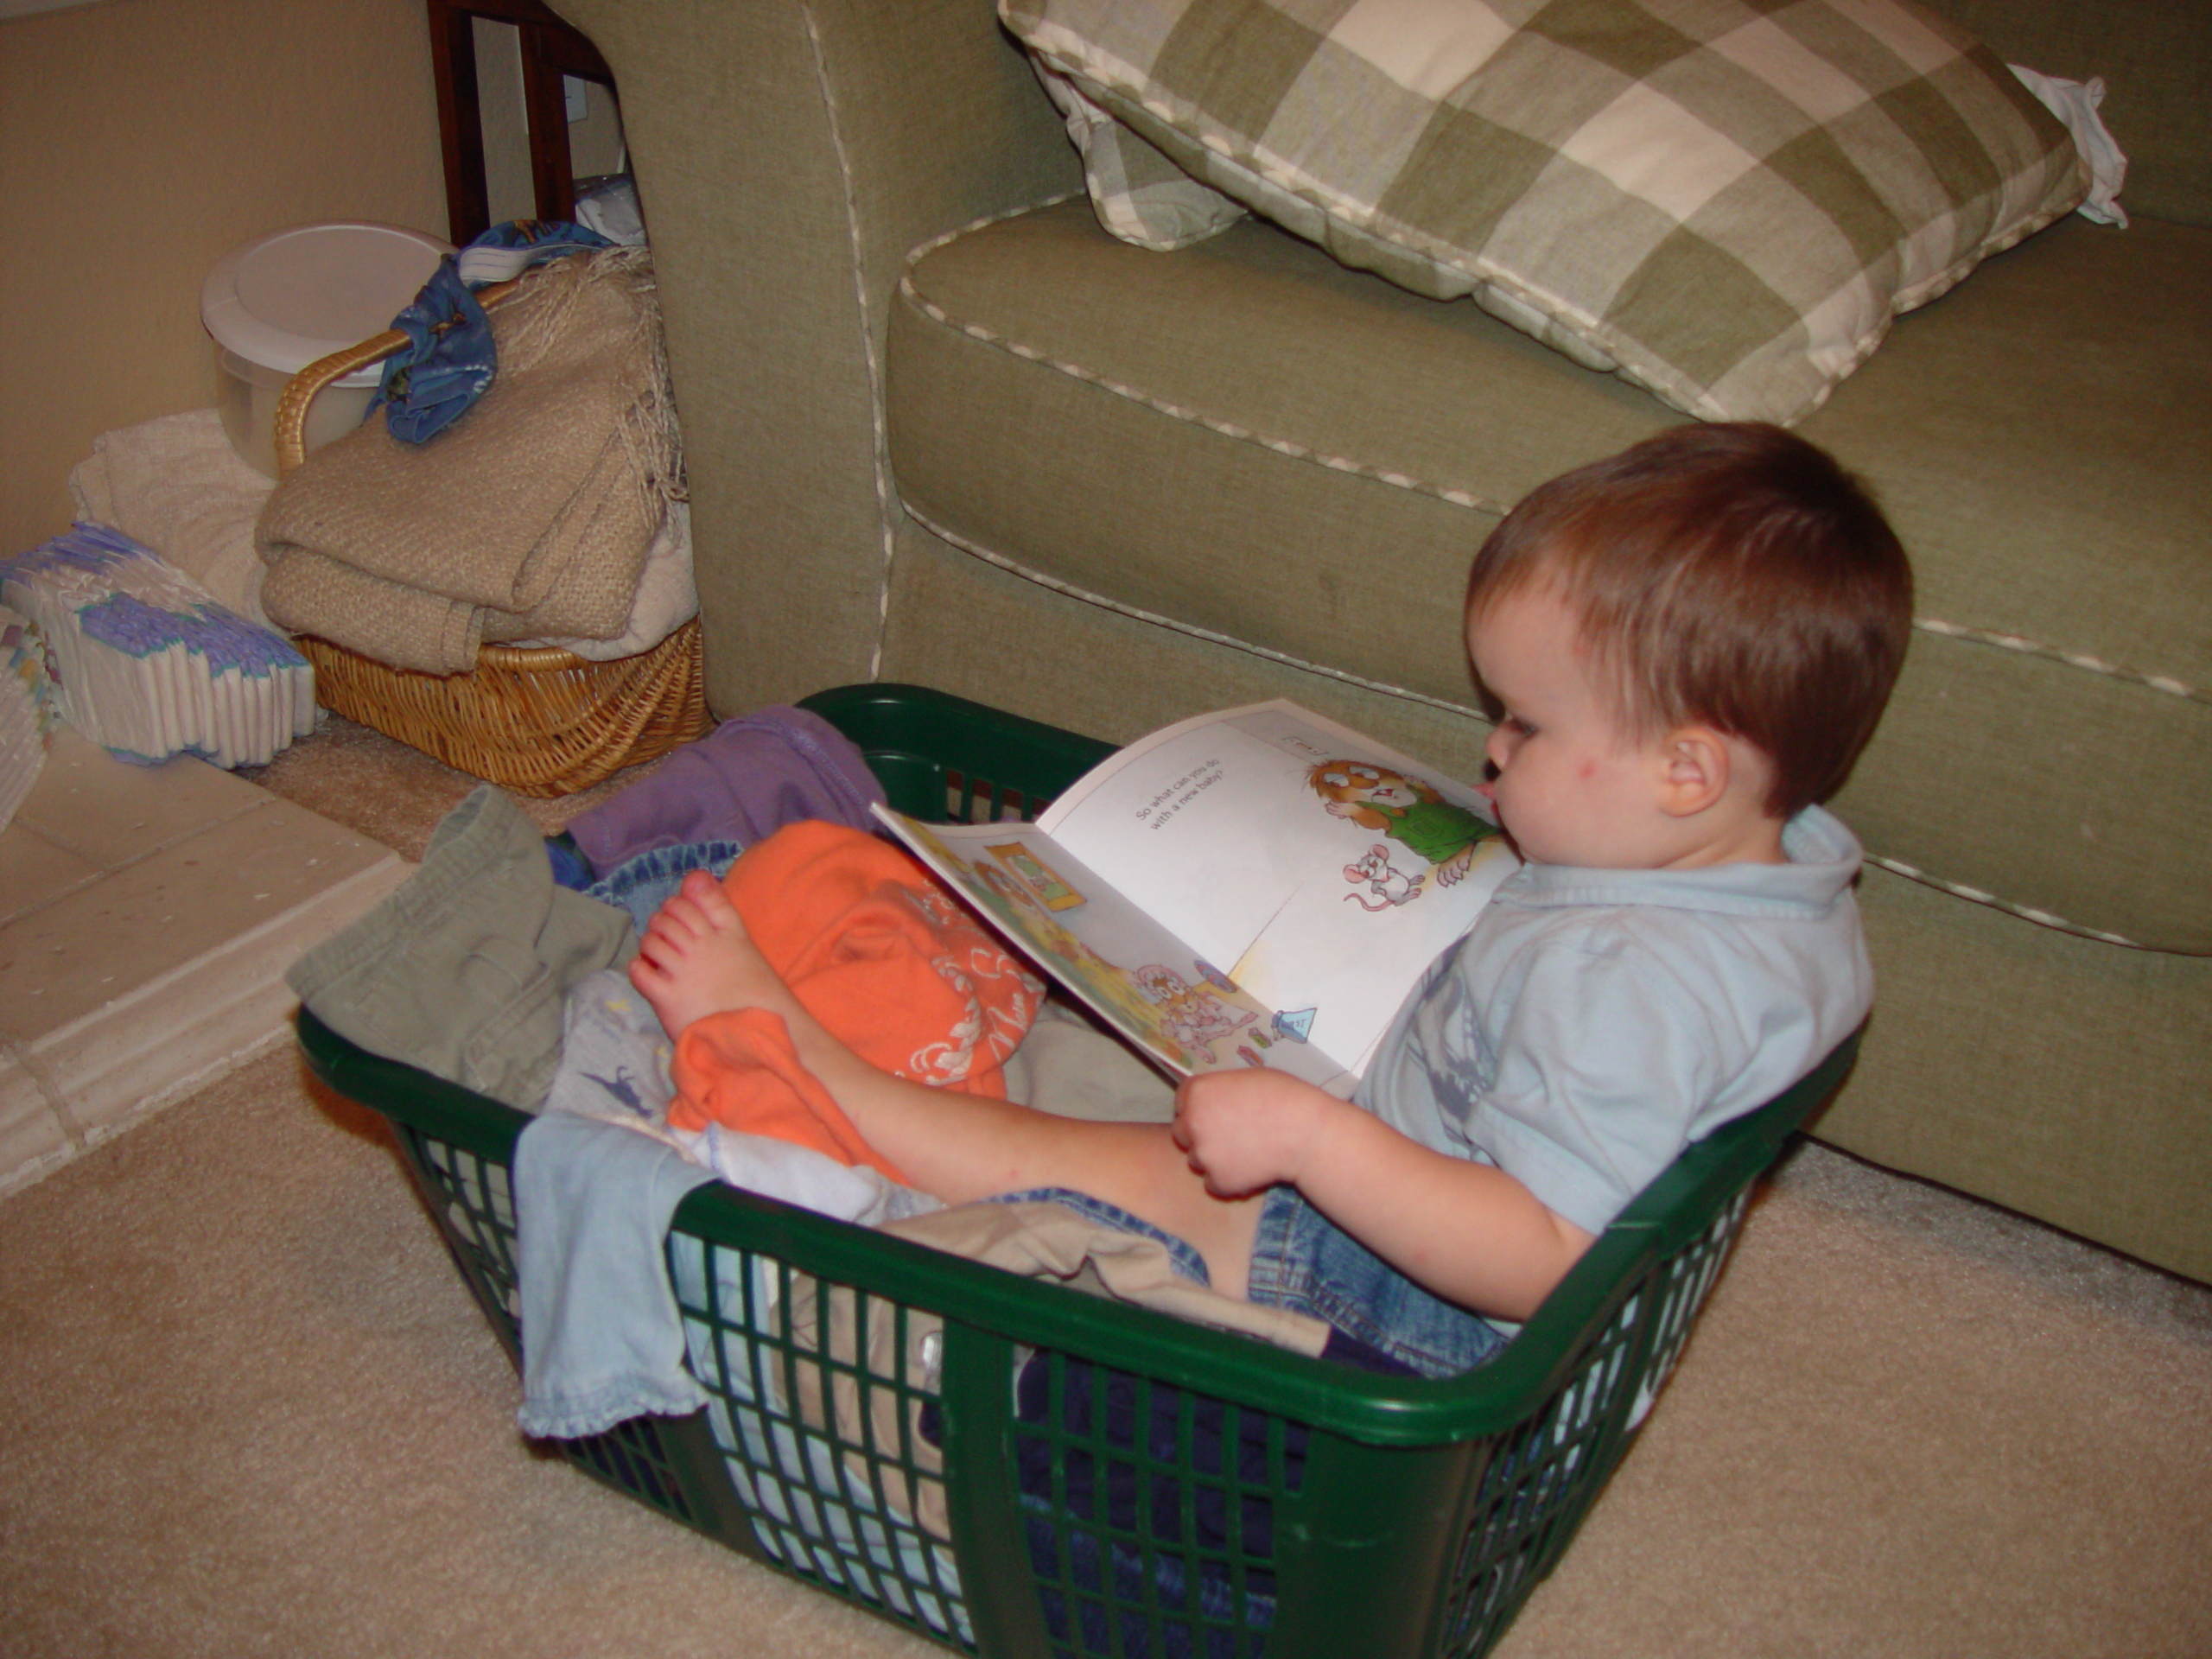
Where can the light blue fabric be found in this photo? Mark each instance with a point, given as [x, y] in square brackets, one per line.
[597, 1178]
[602, 1339]
[642, 885]
[1593, 1023]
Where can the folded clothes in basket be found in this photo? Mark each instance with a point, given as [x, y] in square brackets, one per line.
[528, 520]
[175, 484]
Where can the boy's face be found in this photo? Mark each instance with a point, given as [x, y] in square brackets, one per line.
[1573, 785]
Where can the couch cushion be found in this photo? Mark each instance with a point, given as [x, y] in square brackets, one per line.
[1727, 204]
[1311, 480]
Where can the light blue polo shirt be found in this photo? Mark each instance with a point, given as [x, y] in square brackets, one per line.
[1593, 1023]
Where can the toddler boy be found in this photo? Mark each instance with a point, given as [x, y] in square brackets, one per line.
[1686, 646]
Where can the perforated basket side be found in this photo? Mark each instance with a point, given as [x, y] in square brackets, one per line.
[670, 1465]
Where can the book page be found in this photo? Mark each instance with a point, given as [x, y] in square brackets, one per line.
[1129, 968]
[1320, 871]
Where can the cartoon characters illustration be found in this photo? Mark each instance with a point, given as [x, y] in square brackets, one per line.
[1440, 833]
[1096, 973]
[1055, 894]
[1384, 879]
[1189, 1014]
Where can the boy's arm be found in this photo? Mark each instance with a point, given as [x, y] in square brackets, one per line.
[1466, 1231]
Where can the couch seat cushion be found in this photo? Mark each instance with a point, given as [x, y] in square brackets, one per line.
[1249, 442]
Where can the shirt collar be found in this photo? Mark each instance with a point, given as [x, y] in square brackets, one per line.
[1823, 857]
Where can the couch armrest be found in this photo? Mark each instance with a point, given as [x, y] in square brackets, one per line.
[788, 154]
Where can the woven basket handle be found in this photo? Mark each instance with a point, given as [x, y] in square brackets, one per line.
[292, 406]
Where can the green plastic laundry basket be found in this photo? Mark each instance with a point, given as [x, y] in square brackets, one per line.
[1015, 1468]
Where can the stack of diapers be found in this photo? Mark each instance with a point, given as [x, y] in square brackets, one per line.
[147, 663]
[30, 710]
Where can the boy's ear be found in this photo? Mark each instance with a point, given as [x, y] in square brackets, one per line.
[1695, 763]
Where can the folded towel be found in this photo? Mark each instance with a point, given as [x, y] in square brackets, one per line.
[175, 484]
[530, 519]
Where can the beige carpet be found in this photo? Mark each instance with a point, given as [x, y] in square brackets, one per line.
[247, 1408]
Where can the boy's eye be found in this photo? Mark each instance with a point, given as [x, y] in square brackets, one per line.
[1515, 723]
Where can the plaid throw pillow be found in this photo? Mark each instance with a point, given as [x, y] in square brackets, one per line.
[1727, 201]
[1137, 193]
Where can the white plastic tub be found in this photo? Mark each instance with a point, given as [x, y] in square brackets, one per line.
[282, 300]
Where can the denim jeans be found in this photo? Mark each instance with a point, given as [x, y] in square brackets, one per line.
[642, 884]
[1303, 1262]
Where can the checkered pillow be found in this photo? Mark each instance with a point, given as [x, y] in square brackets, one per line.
[1137, 193]
[1727, 201]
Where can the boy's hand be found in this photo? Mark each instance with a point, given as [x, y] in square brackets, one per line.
[1245, 1130]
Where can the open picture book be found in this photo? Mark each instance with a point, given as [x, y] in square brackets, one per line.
[1260, 886]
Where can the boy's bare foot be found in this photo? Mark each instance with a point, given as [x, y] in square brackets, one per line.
[696, 959]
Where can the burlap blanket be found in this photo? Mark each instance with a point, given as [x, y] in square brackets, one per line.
[529, 518]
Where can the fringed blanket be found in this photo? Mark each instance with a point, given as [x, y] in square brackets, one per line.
[528, 518]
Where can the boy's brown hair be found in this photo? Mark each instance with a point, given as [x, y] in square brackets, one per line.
[1724, 575]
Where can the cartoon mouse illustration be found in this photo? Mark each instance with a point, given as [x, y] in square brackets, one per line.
[1406, 809]
[1190, 1015]
[1390, 884]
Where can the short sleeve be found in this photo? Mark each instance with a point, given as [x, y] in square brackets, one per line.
[1603, 1063]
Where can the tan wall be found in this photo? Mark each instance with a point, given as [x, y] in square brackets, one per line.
[139, 141]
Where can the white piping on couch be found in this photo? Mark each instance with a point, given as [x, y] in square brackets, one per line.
[1296, 451]
[2166, 682]
[1457, 497]
[1975, 895]
[870, 351]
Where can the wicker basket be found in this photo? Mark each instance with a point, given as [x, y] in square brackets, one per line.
[536, 720]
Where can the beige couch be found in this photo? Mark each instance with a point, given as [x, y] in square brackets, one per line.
[1105, 488]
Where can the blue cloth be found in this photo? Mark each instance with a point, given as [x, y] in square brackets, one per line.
[1303, 1262]
[450, 359]
[602, 1340]
[570, 869]
[642, 885]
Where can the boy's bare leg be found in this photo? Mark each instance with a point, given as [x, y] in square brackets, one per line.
[697, 959]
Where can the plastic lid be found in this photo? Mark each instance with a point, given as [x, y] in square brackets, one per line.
[288, 298]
